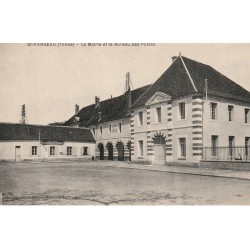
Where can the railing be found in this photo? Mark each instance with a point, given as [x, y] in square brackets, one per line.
[234, 153]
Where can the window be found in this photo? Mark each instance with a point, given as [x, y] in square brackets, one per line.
[141, 148]
[85, 150]
[110, 127]
[101, 130]
[182, 110]
[140, 115]
[213, 111]
[52, 150]
[69, 150]
[231, 145]
[214, 145]
[94, 130]
[247, 145]
[120, 127]
[247, 114]
[183, 147]
[230, 113]
[158, 112]
[34, 150]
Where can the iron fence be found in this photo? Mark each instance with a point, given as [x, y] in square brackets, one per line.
[234, 153]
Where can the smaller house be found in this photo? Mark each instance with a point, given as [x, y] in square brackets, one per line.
[26, 141]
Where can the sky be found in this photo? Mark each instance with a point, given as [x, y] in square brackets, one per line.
[51, 80]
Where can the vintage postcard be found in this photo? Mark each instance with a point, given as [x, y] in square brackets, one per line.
[124, 124]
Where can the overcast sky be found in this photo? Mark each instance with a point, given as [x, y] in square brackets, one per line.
[51, 80]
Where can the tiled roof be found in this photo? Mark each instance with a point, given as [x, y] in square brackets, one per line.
[186, 76]
[17, 132]
[110, 109]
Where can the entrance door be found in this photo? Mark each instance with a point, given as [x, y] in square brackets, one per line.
[18, 153]
[110, 151]
[159, 149]
[101, 150]
[159, 154]
[120, 149]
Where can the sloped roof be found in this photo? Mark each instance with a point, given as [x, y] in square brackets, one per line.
[186, 76]
[110, 109]
[18, 132]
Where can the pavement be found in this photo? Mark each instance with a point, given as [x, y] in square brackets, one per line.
[224, 173]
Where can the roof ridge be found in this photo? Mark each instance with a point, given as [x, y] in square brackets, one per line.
[152, 84]
[41, 125]
[191, 79]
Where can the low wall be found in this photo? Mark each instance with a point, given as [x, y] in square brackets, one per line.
[233, 165]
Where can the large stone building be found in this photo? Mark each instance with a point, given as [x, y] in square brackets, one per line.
[190, 107]
[34, 142]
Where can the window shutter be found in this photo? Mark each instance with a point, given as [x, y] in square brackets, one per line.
[81, 151]
[39, 150]
[30, 151]
[74, 151]
[56, 151]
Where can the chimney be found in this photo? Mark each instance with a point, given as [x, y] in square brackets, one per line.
[23, 114]
[97, 101]
[128, 99]
[76, 109]
[173, 58]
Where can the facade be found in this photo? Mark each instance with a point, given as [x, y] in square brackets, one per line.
[26, 142]
[187, 115]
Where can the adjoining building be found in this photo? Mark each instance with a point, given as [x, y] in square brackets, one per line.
[187, 115]
[109, 121]
[25, 141]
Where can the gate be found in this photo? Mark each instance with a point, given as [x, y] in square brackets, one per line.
[159, 149]
[110, 151]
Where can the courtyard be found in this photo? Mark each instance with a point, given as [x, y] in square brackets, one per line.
[107, 183]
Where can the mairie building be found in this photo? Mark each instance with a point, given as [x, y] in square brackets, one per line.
[192, 113]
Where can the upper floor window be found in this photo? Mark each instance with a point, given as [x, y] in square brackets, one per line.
[140, 115]
[110, 128]
[101, 130]
[213, 111]
[158, 112]
[69, 150]
[247, 115]
[230, 113]
[34, 150]
[120, 127]
[94, 130]
[182, 110]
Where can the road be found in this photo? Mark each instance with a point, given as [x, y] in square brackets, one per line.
[95, 183]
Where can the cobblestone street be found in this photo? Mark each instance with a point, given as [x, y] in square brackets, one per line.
[113, 183]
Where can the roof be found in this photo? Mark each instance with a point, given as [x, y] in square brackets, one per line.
[19, 132]
[110, 109]
[186, 76]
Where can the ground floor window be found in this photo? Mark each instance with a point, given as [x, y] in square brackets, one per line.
[141, 148]
[69, 150]
[214, 145]
[247, 145]
[85, 150]
[52, 150]
[231, 145]
[183, 150]
[34, 150]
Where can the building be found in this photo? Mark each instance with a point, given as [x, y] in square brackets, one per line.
[109, 121]
[186, 116]
[25, 142]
